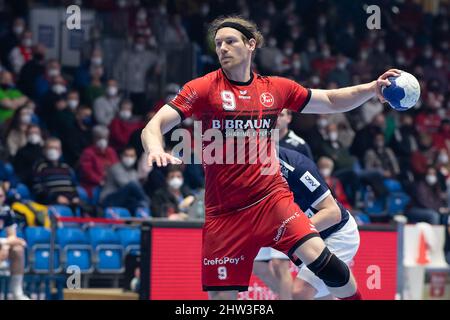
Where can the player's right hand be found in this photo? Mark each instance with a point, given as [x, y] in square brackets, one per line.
[161, 158]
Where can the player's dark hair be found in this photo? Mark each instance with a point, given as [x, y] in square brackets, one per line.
[241, 24]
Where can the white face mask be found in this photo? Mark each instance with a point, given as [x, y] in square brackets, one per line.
[288, 51]
[25, 118]
[333, 136]
[128, 161]
[431, 179]
[125, 114]
[443, 158]
[53, 72]
[326, 172]
[139, 47]
[18, 30]
[34, 138]
[102, 144]
[52, 154]
[27, 42]
[322, 122]
[176, 183]
[112, 91]
[73, 104]
[97, 61]
[59, 89]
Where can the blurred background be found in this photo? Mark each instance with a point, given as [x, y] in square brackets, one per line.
[73, 104]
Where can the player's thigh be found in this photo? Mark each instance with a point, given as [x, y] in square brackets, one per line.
[227, 255]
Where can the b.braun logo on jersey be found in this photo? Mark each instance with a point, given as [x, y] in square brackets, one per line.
[267, 99]
[309, 181]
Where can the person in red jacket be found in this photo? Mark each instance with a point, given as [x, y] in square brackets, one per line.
[123, 126]
[326, 166]
[96, 159]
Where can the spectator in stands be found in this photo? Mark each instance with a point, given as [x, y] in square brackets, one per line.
[10, 97]
[340, 74]
[96, 160]
[404, 143]
[56, 94]
[122, 186]
[429, 202]
[54, 180]
[22, 53]
[382, 158]
[270, 57]
[131, 71]
[424, 156]
[123, 126]
[78, 136]
[32, 70]
[428, 120]
[44, 82]
[95, 88]
[83, 74]
[107, 106]
[12, 248]
[73, 100]
[173, 200]
[441, 139]
[16, 136]
[12, 39]
[326, 167]
[28, 155]
[135, 138]
[288, 138]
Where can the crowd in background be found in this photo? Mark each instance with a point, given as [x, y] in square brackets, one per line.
[66, 128]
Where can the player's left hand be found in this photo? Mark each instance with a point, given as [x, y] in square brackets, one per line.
[383, 81]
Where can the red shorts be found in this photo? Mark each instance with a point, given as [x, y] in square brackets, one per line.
[232, 241]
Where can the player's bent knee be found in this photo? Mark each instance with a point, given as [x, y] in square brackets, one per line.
[330, 269]
[302, 290]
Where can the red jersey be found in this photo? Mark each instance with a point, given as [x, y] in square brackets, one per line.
[232, 106]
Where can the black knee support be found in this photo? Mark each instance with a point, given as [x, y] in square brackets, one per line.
[329, 268]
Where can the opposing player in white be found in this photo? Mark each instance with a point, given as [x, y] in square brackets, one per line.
[336, 226]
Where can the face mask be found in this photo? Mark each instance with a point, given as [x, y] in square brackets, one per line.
[438, 63]
[341, 65]
[59, 89]
[322, 122]
[296, 64]
[443, 158]
[97, 61]
[73, 104]
[409, 43]
[333, 136]
[381, 48]
[401, 60]
[364, 55]
[34, 138]
[139, 47]
[326, 54]
[175, 183]
[428, 53]
[27, 42]
[272, 43]
[326, 172]
[25, 118]
[112, 91]
[288, 51]
[87, 121]
[431, 179]
[128, 161]
[52, 154]
[102, 144]
[142, 15]
[125, 114]
[53, 72]
[205, 9]
[18, 30]
[379, 144]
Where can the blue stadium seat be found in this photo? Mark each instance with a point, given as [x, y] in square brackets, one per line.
[38, 242]
[130, 238]
[60, 211]
[76, 248]
[117, 213]
[109, 251]
[142, 213]
[397, 202]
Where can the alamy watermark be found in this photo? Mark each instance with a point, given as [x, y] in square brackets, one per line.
[374, 20]
[73, 21]
[74, 280]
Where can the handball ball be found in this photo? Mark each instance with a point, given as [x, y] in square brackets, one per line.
[403, 92]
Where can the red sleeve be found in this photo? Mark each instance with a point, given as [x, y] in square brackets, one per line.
[89, 173]
[295, 96]
[188, 100]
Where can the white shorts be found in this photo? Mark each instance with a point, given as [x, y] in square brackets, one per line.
[268, 253]
[344, 244]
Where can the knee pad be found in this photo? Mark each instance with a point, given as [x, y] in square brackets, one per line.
[330, 269]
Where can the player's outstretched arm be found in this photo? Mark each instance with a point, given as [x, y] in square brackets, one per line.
[349, 98]
[152, 136]
[328, 215]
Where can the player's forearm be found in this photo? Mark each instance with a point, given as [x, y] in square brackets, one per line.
[343, 99]
[152, 138]
[326, 218]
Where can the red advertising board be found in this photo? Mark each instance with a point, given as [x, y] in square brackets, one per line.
[175, 266]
